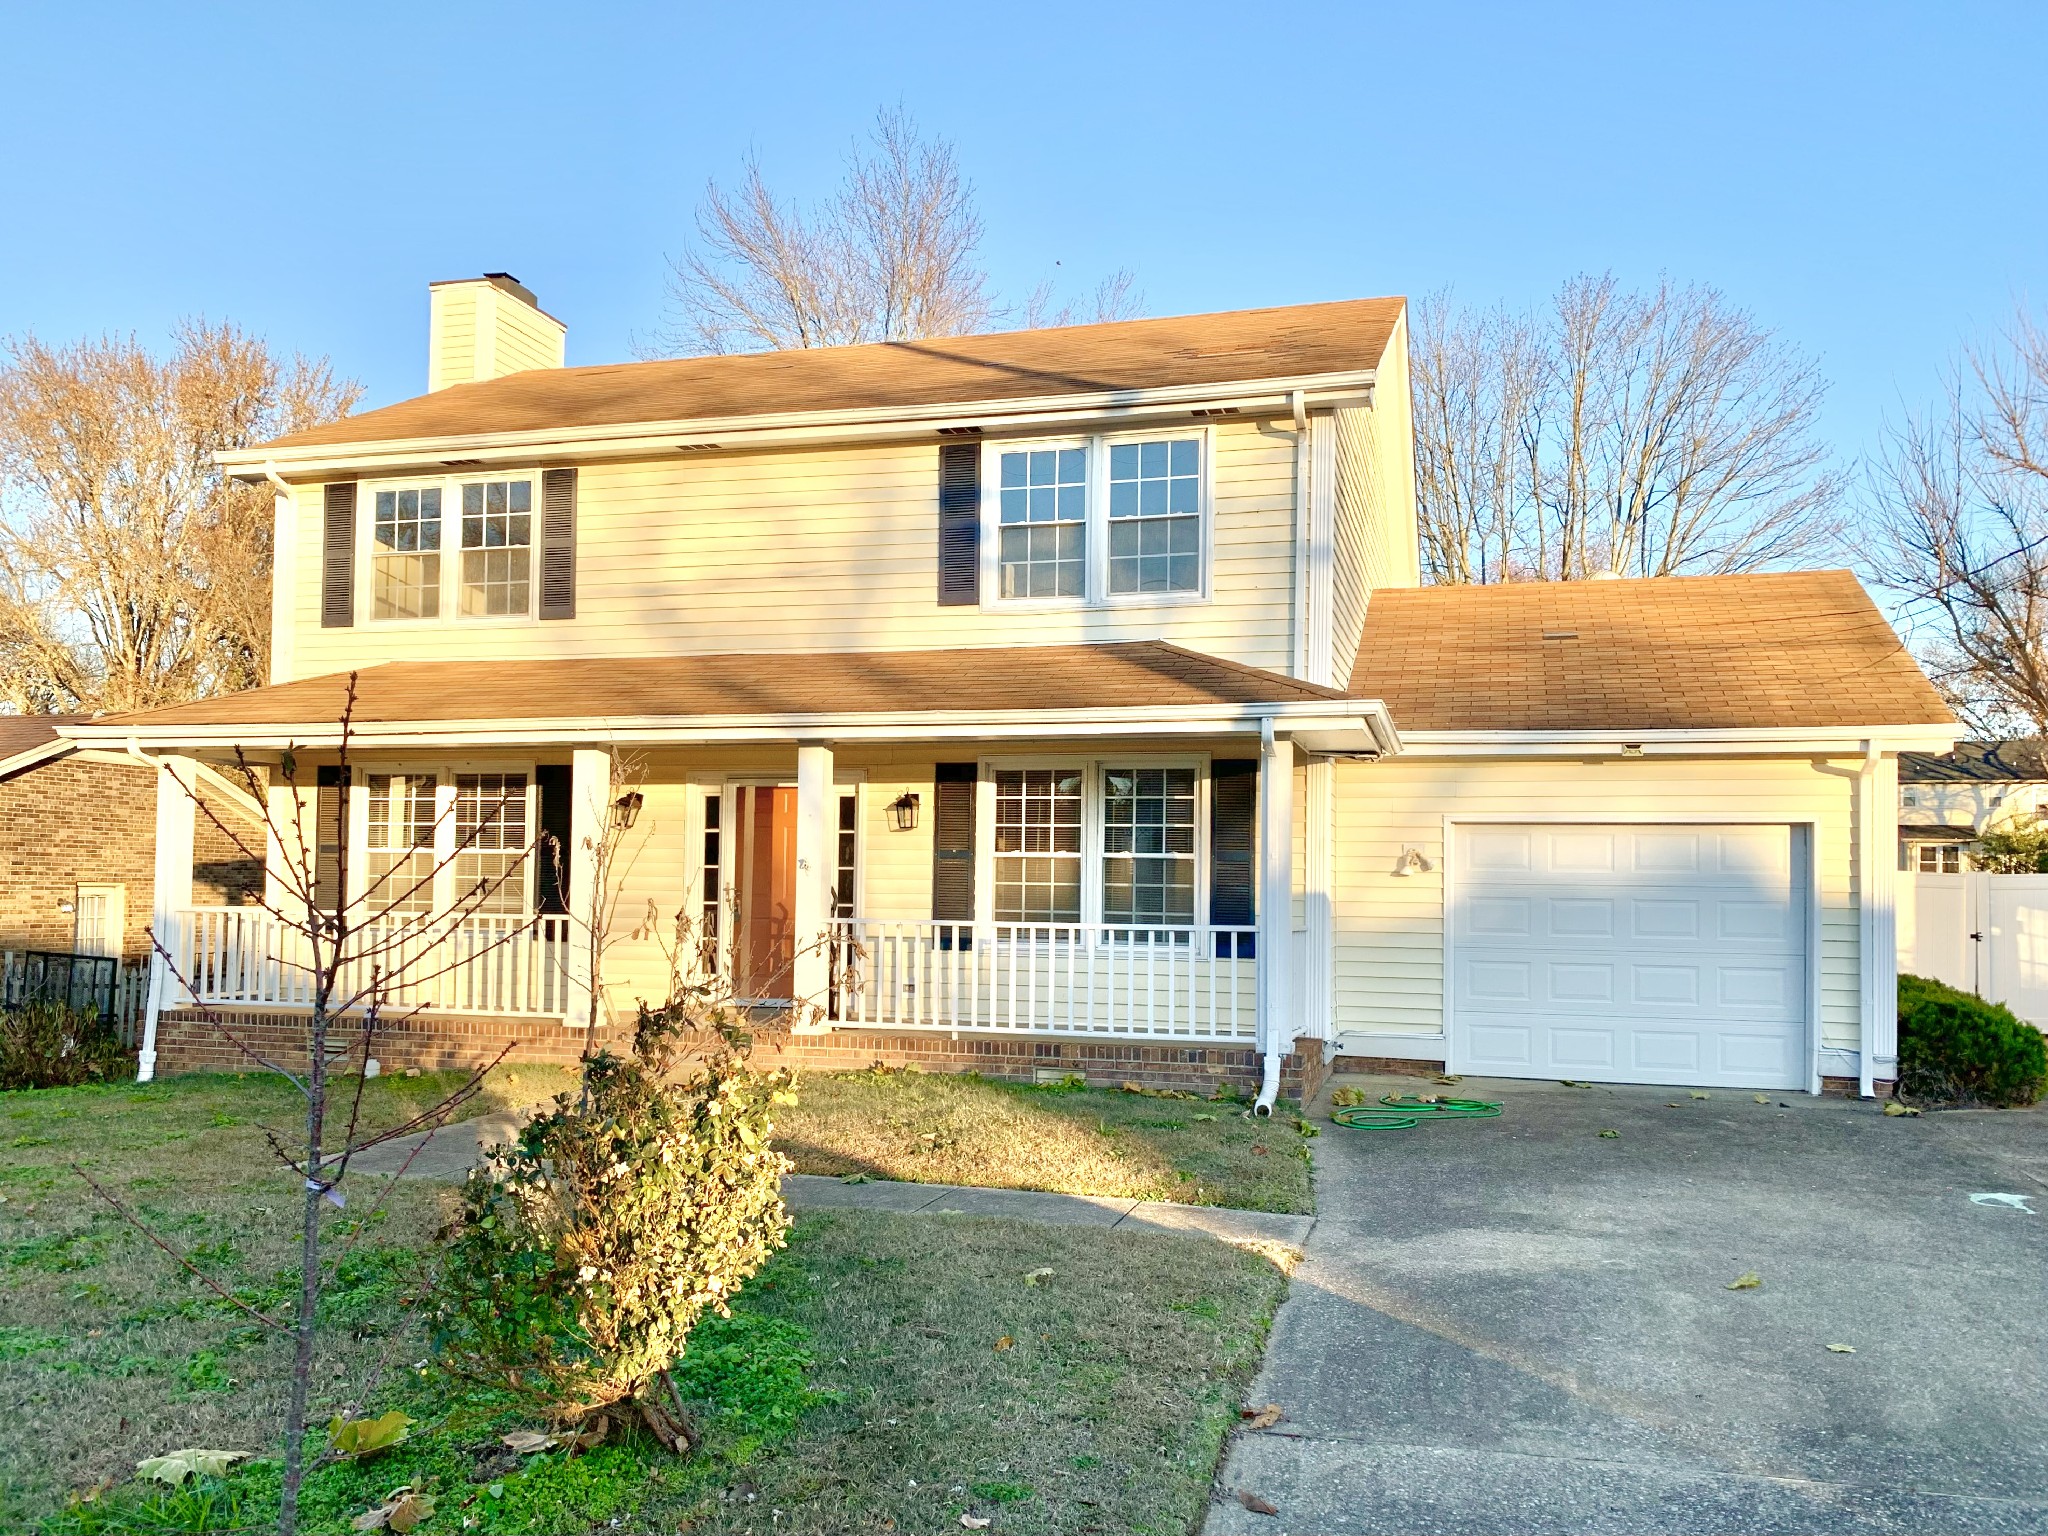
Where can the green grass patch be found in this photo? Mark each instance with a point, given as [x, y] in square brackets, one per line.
[945, 1128]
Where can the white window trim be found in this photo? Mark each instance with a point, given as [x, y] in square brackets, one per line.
[1095, 582]
[444, 827]
[450, 487]
[1092, 804]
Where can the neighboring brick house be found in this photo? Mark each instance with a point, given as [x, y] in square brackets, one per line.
[78, 844]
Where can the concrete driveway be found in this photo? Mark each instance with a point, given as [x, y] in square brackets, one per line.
[1519, 1325]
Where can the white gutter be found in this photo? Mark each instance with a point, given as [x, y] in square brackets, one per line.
[1832, 741]
[1340, 725]
[1249, 397]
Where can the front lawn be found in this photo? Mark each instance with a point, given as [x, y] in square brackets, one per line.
[884, 1372]
[943, 1128]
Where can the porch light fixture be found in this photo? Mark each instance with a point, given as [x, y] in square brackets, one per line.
[903, 812]
[1413, 861]
[626, 810]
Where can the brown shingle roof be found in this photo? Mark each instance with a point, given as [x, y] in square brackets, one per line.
[1128, 675]
[1975, 762]
[20, 732]
[1802, 648]
[1246, 344]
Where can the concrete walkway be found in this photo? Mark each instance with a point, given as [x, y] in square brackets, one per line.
[449, 1154]
[1525, 1325]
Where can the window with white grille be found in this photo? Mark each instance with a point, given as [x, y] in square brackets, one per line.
[1038, 845]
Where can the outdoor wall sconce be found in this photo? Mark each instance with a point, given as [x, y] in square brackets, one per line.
[1413, 861]
[903, 812]
[626, 810]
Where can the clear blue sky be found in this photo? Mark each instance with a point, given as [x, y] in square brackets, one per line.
[1868, 178]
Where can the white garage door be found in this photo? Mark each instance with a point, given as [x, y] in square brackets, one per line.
[1625, 954]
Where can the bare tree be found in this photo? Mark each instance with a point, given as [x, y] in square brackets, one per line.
[132, 573]
[1642, 434]
[1960, 510]
[365, 954]
[892, 254]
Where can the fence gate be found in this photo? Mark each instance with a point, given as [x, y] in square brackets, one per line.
[1984, 933]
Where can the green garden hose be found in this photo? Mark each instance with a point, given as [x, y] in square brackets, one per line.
[1399, 1112]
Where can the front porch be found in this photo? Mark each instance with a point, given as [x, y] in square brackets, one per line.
[1140, 877]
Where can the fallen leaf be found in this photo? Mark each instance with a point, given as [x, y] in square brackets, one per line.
[1674, 1106]
[1894, 1107]
[1610, 1135]
[1255, 1504]
[975, 1522]
[1763, 1098]
[1749, 1281]
[528, 1441]
[1260, 1418]
[357, 1438]
[1258, 1151]
[856, 1178]
[1573, 1083]
[174, 1467]
[401, 1511]
[1698, 1095]
[1037, 1275]
[1841, 1349]
[1448, 1077]
[1005, 1342]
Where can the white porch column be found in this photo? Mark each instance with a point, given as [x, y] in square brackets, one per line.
[176, 816]
[1278, 1020]
[1317, 1007]
[816, 834]
[1877, 843]
[590, 816]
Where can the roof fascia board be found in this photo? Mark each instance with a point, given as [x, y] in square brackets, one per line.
[1786, 740]
[769, 429]
[1322, 718]
[35, 757]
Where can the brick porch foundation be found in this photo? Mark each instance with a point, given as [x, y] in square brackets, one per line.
[188, 1042]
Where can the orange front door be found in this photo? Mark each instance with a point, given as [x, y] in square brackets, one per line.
[764, 867]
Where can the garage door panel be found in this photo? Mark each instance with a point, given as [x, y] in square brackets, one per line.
[1669, 954]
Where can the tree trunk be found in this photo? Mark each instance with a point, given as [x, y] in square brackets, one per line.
[309, 1283]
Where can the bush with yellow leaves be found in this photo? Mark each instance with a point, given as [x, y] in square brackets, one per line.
[585, 1251]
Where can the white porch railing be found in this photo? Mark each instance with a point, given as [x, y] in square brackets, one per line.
[244, 957]
[1102, 979]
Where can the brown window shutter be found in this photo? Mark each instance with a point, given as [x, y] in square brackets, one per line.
[558, 544]
[338, 558]
[1233, 846]
[330, 834]
[959, 524]
[953, 842]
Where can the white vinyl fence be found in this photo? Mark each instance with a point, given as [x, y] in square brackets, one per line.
[1987, 934]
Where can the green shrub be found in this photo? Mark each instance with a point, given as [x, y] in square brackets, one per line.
[1959, 1049]
[46, 1043]
[585, 1252]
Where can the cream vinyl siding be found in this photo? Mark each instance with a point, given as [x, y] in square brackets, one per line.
[820, 549]
[1374, 537]
[1388, 936]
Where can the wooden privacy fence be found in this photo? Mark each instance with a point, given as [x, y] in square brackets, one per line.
[119, 989]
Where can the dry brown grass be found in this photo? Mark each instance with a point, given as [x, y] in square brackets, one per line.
[941, 1128]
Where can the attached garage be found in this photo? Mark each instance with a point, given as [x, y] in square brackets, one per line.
[1630, 953]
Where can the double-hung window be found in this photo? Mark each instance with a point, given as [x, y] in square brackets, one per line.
[1105, 520]
[399, 846]
[491, 866]
[493, 537]
[1148, 846]
[1038, 845]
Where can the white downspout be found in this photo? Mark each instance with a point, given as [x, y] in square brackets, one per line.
[1298, 400]
[1877, 935]
[1275, 887]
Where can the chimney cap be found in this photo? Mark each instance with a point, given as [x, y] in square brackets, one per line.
[501, 280]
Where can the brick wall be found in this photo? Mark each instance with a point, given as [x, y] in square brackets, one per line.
[79, 820]
[187, 1042]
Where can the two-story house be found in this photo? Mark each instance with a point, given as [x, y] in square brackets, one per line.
[1052, 701]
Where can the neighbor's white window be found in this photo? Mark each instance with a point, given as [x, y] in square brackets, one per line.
[491, 872]
[405, 554]
[399, 847]
[1043, 507]
[1148, 846]
[497, 547]
[1038, 845]
[1109, 520]
[101, 915]
[1155, 516]
[1941, 859]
